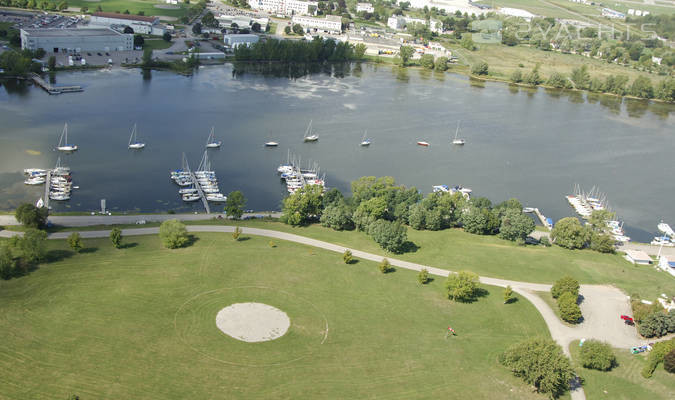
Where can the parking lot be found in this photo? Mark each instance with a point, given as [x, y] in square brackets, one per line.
[35, 20]
[98, 57]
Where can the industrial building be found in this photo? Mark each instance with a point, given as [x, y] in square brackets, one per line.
[234, 41]
[76, 40]
[286, 7]
[330, 24]
[139, 23]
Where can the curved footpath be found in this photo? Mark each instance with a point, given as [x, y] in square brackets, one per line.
[601, 306]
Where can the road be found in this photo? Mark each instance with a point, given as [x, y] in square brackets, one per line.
[601, 305]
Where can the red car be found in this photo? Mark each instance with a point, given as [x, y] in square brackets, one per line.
[628, 320]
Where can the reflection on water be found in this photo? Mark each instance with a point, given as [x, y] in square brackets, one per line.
[521, 142]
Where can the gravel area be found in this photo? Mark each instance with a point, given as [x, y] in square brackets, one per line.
[253, 322]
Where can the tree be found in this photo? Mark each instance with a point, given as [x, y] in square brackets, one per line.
[515, 225]
[569, 233]
[51, 63]
[480, 69]
[147, 58]
[166, 36]
[462, 286]
[255, 27]
[138, 40]
[568, 307]
[669, 362]
[337, 217]
[480, 221]
[298, 29]
[384, 266]
[75, 242]
[642, 87]
[302, 206]
[658, 354]
[656, 324]
[369, 211]
[467, 42]
[565, 284]
[602, 243]
[391, 236]
[236, 233]
[532, 78]
[173, 234]
[31, 216]
[599, 218]
[128, 29]
[197, 28]
[347, 257]
[544, 241]
[32, 247]
[210, 20]
[427, 61]
[508, 294]
[516, 76]
[235, 203]
[581, 77]
[406, 53]
[441, 64]
[8, 265]
[597, 355]
[540, 362]
[287, 30]
[116, 237]
[360, 51]
[423, 276]
[62, 6]
[558, 81]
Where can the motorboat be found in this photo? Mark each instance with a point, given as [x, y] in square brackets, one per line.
[365, 141]
[423, 143]
[271, 144]
[187, 190]
[63, 141]
[31, 171]
[662, 241]
[35, 181]
[191, 197]
[217, 197]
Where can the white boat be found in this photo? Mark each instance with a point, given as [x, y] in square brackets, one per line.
[211, 142]
[63, 141]
[217, 197]
[32, 171]
[35, 181]
[59, 196]
[457, 140]
[40, 203]
[133, 140]
[423, 143]
[210, 190]
[662, 241]
[365, 141]
[191, 197]
[666, 229]
[309, 136]
[187, 190]
[440, 188]
[271, 144]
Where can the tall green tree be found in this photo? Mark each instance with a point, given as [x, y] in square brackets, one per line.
[391, 236]
[480, 68]
[569, 233]
[427, 61]
[234, 205]
[406, 53]
[303, 206]
[31, 216]
[515, 225]
[581, 77]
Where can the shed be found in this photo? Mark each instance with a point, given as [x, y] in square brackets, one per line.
[638, 257]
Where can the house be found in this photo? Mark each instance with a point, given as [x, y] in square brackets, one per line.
[367, 7]
[638, 257]
[667, 265]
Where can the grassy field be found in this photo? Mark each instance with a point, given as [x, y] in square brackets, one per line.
[140, 323]
[503, 60]
[624, 382]
[486, 255]
[156, 44]
[134, 6]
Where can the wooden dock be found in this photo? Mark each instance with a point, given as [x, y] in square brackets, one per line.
[48, 184]
[540, 216]
[200, 191]
[54, 89]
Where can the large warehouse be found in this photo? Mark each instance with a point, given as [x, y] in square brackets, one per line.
[139, 23]
[76, 40]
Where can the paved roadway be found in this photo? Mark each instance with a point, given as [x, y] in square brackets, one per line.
[601, 305]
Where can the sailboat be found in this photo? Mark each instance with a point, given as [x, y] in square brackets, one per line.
[309, 136]
[271, 144]
[63, 141]
[133, 140]
[364, 141]
[457, 141]
[211, 142]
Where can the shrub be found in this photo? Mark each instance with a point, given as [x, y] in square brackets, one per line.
[480, 69]
[236, 233]
[597, 355]
[391, 236]
[116, 237]
[423, 276]
[658, 354]
[566, 284]
[655, 324]
[641, 310]
[462, 286]
[31, 216]
[173, 234]
[669, 362]
[347, 257]
[544, 241]
[569, 309]
[75, 241]
[272, 244]
[540, 362]
[384, 266]
[508, 294]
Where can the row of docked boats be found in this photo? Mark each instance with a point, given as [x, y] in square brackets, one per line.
[466, 192]
[585, 203]
[296, 178]
[667, 237]
[60, 180]
[202, 182]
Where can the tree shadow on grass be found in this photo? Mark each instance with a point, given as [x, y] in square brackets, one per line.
[243, 239]
[192, 239]
[511, 300]
[477, 294]
[128, 245]
[58, 255]
[352, 261]
[409, 247]
[89, 250]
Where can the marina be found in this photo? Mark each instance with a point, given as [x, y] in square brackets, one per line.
[57, 182]
[296, 178]
[201, 184]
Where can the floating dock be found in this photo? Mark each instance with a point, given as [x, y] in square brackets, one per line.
[48, 184]
[547, 222]
[54, 89]
[200, 192]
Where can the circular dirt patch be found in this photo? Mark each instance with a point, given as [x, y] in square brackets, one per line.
[253, 322]
[167, 6]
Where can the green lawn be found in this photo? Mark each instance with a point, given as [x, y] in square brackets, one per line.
[624, 382]
[156, 44]
[140, 323]
[134, 6]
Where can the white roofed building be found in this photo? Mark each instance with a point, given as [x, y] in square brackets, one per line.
[139, 23]
[330, 24]
[367, 7]
[286, 7]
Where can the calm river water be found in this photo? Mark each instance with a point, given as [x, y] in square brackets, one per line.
[530, 144]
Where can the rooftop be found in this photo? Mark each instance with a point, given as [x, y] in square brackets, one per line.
[70, 32]
[125, 16]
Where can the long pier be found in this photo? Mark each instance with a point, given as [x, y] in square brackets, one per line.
[54, 89]
[48, 184]
[542, 218]
[200, 192]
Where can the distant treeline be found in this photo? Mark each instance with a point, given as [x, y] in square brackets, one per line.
[301, 51]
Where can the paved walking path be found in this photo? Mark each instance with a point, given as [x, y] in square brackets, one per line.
[601, 306]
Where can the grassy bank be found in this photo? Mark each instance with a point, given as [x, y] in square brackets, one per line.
[139, 322]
